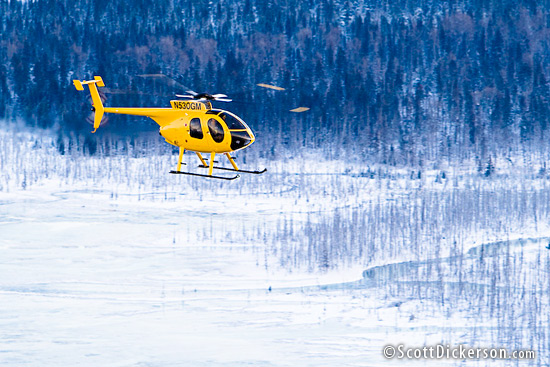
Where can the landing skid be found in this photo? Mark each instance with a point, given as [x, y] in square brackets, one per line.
[234, 170]
[207, 176]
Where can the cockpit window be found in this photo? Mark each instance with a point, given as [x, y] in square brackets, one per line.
[195, 129]
[216, 130]
[232, 122]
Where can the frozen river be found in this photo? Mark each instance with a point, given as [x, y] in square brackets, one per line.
[90, 282]
[87, 280]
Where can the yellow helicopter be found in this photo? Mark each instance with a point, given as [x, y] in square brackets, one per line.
[190, 124]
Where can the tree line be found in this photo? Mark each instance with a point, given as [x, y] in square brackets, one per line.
[402, 82]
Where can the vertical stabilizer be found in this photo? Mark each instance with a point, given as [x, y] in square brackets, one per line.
[96, 99]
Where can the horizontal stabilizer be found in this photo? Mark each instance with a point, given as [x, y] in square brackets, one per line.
[78, 85]
[99, 81]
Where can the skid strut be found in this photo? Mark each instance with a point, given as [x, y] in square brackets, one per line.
[234, 169]
[209, 166]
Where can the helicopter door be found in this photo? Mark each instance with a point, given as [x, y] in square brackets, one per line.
[216, 130]
[195, 128]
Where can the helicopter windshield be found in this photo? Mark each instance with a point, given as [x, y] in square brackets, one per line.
[240, 139]
[233, 123]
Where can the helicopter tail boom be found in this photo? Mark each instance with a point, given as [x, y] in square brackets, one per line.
[96, 99]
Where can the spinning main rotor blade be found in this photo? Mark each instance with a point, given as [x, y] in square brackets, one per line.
[215, 99]
[300, 109]
[124, 91]
[164, 78]
[274, 87]
[190, 94]
[204, 96]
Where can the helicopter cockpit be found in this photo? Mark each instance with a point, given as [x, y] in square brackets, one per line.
[241, 135]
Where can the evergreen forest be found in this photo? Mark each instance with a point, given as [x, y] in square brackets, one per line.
[398, 82]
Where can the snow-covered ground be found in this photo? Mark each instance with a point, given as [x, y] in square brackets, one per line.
[110, 261]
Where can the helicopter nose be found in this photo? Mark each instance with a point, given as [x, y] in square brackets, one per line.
[252, 137]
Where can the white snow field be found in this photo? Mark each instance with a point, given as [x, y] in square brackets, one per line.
[110, 261]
